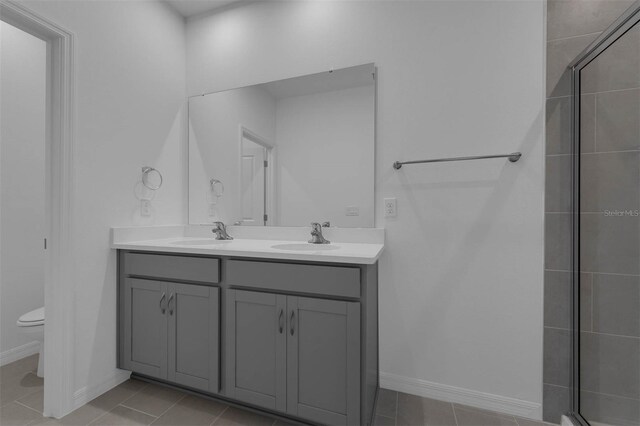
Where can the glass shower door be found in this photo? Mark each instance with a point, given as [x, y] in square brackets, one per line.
[608, 363]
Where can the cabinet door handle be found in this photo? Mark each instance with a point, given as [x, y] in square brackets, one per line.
[280, 319]
[162, 308]
[291, 325]
[171, 304]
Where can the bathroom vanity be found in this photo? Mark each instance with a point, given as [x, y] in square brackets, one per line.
[266, 328]
[266, 320]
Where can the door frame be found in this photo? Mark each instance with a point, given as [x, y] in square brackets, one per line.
[59, 386]
[270, 176]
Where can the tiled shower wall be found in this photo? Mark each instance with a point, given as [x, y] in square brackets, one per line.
[611, 327]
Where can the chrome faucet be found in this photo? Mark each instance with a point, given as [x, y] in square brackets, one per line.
[316, 234]
[221, 231]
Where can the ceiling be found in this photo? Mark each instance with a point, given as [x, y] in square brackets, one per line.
[189, 8]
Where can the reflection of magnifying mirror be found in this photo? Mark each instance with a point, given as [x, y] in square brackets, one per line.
[151, 178]
[217, 188]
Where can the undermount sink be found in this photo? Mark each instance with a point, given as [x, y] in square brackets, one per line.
[305, 247]
[202, 242]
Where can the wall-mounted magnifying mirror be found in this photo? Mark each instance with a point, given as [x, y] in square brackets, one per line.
[151, 178]
[289, 152]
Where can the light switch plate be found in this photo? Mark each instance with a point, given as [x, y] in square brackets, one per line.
[353, 211]
[390, 207]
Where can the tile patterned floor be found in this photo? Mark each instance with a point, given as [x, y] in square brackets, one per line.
[139, 403]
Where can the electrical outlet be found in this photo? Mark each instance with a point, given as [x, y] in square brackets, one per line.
[390, 207]
[145, 208]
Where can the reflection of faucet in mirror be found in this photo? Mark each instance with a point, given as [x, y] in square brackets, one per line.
[316, 234]
[221, 231]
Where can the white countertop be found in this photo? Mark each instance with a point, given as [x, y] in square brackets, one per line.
[360, 253]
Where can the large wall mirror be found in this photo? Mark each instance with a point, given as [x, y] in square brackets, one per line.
[285, 153]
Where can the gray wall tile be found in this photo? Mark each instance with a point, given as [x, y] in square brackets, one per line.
[557, 357]
[616, 304]
[610, 244]
[618, 120]
[559, 121]
[556, 401]
[559, 54]
[609, 364]
[569, 18]
[610, 409]
[557, 242]
[557, 300]
[586, 301]
[616, 68]
[558, 183]
[558, 126]
[609, 181]
[587, 123]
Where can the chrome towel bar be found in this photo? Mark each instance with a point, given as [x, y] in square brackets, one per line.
[513, 157]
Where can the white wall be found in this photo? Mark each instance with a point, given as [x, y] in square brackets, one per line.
[214, 147]
[22, 183]
[326, 157]
[461, 276]
[130, 88]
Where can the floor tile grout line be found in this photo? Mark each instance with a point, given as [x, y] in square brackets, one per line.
[99, 417]
[143, 387]
[395, 420]
[135, 409]
[455, 417]
[218, 416]
[149, 414]
[26, 406]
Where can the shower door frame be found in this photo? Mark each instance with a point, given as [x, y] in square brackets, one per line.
[625, 22]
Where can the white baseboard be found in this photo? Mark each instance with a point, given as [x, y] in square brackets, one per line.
[487, 401]
[88, 393]
[23, 351]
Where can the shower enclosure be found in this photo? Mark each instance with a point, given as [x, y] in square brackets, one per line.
[606, 227]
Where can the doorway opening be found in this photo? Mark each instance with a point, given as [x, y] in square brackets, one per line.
[257, 156]
[58, 201]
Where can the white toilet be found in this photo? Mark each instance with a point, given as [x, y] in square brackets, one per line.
[32, 323]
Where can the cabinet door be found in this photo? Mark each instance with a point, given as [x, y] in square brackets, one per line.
[194, 327]
[145, 327]
[323, 360]
[256, 348]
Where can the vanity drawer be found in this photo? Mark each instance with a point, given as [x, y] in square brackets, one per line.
[313, 279]
[179, 268]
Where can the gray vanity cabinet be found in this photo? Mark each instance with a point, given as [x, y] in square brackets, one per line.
[298, 355]
[193, 343]
[296, 339]
[145, 327]
[323, 360]
[256, 348]
[171, 332]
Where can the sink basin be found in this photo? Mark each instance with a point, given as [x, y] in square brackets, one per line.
[305, 247]
[202, 242]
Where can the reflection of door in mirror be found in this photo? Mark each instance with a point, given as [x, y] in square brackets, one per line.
[253, 183]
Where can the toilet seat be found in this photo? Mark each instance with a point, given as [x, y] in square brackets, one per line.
[32, 319]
